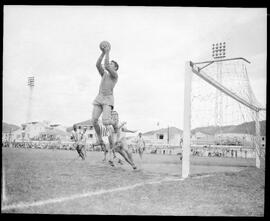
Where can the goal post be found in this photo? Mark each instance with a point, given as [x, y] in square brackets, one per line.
[195, 68]
[187, 112]
[257, 142]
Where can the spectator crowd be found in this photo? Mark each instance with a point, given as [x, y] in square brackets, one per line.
[201, 152]
[224, 152]
[45, 145]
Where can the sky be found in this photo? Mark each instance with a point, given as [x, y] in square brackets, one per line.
[59, 46]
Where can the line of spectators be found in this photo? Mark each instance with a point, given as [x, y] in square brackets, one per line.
[46, 145]
[220, 153]
[70, 146]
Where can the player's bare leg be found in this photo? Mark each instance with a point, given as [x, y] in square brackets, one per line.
[106, 116]
[79, 150]
[140, 153]
[105, 153]
[120, 148]
[103, 148]
[97, 110]
[84, 150]
[115, 158]
[110, 149]
[129, 154]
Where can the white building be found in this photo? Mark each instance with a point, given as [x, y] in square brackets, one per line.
[91, 135]
[90, 131]
[163, 141]
[28, 131]
[163, 137]
[39, 131]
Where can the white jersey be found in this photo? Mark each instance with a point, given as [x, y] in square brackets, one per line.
[120, 134]
[106, 131]
[109, 130]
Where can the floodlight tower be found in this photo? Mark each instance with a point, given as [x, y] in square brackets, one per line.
[31, 83]
[219, 52]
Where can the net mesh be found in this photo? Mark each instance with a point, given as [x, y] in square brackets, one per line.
[218, 119]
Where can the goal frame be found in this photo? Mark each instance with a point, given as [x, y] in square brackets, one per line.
[190, 69]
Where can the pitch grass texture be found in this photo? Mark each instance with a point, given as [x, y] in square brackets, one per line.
[216, 187]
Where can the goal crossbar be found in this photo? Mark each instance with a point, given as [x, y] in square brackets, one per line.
[220, 87]
[219, 60]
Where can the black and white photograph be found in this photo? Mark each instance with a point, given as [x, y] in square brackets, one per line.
[134, 110]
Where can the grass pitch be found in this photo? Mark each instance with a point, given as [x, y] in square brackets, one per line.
[57, 182]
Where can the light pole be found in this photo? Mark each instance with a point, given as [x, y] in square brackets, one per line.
[9, 138]
[168, 136]
[30, 83]
[219, 52]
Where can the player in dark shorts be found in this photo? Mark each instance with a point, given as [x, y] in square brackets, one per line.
[82, 143]
[76, 137]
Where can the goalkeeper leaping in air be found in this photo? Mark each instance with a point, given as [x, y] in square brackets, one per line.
[104, 102]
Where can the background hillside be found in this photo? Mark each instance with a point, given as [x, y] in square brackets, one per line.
[248, 127]
[9, 127]
[245, 128]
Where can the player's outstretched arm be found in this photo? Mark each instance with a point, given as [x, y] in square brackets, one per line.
[121, 125]
[98, 64]
[129, 131]
[108, 67]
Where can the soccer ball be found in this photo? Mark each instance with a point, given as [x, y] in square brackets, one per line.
[104, 44]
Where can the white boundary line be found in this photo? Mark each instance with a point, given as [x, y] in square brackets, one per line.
[89, 194]
[202, 176]
[83, 195]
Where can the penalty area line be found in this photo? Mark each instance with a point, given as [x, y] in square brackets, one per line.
[83, 195]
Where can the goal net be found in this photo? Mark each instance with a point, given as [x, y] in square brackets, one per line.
[226, 120]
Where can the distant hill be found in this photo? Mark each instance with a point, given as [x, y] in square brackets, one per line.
[9, 127]
[248, 128]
